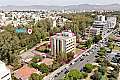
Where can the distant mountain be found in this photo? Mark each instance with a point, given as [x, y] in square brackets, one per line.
[69, 7]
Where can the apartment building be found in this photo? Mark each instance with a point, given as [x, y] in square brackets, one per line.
[92, 31]
[111, 22]
[63, 42]
[101, 25]
[4, 72]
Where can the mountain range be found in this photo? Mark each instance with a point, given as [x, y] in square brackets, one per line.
[69, 7]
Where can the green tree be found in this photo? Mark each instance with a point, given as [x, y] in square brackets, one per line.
[88, 67]
[97, 38]
[54, 66]
[62, 57]
[43, 68]
[75, 75]
[34, 65]
[36, 59]
[36, 76]
[88, 43]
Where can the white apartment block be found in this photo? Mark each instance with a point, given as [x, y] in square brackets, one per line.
[101, 24]
[63, 42]
[101, 18]
[111, 22]
[4, 72]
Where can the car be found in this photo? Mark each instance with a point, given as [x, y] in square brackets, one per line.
[83, 54]
[81, 59]
[96, 56]
[72, 63]
[62, 70]
[88, 60]
[66, 72]
[83, 48]
[87, 54]
[76, 60]
[56, 75]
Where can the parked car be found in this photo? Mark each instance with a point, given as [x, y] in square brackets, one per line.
[81, 59]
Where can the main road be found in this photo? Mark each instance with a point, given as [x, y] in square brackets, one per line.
[77, 63]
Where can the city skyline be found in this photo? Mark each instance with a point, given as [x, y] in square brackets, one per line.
[56, 2]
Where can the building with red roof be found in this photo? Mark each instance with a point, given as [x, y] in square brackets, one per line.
[25, 72]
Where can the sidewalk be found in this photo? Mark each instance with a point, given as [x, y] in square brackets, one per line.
[28, 54]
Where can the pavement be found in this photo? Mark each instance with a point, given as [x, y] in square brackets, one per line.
[28, 54]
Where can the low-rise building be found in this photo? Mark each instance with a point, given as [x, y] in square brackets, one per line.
[25, 72]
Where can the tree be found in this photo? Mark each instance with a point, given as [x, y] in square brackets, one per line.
[62, 57]
[34, 65]
[88, 43]
[11, 42]
[70, 56]
[97, 38]
[43, 68]
[102, 49]
[95, 76]
[88, 68]
[36, 59]
[75, 75]
[54, 66]
[35, 76]
[101, 53]
[102, 70]
[111, 45]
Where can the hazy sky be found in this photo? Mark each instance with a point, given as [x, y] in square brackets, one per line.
[56, 2]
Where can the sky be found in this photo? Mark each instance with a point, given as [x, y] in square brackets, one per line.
[56, 2]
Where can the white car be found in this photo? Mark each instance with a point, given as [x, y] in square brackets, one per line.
[87, 54]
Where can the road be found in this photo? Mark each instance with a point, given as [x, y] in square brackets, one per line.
[80, 64]
[60, 73]
[87, 59]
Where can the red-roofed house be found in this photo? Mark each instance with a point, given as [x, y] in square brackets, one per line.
[25, 72]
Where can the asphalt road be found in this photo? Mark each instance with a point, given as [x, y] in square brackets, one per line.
[80, 64]
[59, 74]
[87, 59]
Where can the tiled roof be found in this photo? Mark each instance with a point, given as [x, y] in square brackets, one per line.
[25, 72]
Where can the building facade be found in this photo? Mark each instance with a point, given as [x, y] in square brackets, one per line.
[63, 42]
[4, 72]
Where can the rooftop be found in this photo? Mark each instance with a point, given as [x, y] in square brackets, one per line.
[64, 34]
[24, 72]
